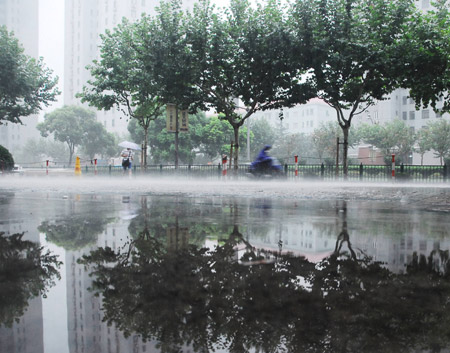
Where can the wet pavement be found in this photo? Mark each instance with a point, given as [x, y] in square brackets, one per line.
[138, 265]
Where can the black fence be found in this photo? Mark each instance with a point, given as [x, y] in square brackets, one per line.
[413, 173]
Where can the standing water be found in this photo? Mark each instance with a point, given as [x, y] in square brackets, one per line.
[171, 266]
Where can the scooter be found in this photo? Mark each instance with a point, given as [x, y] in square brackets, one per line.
[270, 168]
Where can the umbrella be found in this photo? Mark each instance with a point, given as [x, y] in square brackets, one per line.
[128, 144]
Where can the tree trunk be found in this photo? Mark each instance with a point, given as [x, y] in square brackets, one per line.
[345, 130]
[144, 152]
[236, 149]
[71, 152]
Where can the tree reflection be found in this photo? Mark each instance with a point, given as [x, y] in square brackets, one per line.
[205, 298]
[75, 231]
[26, 271]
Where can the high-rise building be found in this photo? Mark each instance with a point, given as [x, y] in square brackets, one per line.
[85, 21]
[22, 18]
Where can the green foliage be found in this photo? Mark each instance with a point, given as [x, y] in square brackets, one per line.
[6, 159]
[75, 231]
[26, 272]
[76, 126]
[97, 140]
[426, 52]
[25, 83]
[394, 137]
[243, 53]
[324, 140]
[424, 144]
[122, 79]
[440, 138]
[182, 293]
[162, 143]
[35, 152]
[217, 135]
[262, 134]
[353, 46]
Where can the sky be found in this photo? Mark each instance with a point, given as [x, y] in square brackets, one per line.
[51, 40]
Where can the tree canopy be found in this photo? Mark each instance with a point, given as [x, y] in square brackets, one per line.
[354, 49]
[394, 137]
[243, 61]
[121, 79]
[425, 50]
[76, 126]
[26, 272]
[26, 85]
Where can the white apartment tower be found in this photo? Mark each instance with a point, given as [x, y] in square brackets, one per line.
[85, 20]
[22, 18]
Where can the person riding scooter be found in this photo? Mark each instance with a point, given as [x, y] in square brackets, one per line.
[264, 164]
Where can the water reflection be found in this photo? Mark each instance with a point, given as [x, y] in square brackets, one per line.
[26, 273]
[176, 274]
[166, 287]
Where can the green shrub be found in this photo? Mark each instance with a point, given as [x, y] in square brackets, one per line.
[6, 159]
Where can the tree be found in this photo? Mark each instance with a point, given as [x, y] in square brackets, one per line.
[25, 83]
[242, 57]
[423, 138]
[161, 142]
[162, 47]
[325, 140]
[353, 44]
[75, 231]
[97, 140]
[36, 151]
[216, 137]
[27, 271]
[440, 138]
[6, 159]
[426, 52]
[68, 124]
[394, 137]
[263, 134]
[122, 80]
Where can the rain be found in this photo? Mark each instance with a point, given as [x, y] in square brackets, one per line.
[228, 183]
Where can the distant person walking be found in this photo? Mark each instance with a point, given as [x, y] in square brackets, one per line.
[127, 158]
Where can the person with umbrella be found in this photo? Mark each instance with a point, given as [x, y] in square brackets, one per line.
[127, 158]
[127, 154]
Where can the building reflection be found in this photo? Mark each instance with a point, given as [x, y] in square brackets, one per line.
[26, 333]
[258, 232]
[157, 285]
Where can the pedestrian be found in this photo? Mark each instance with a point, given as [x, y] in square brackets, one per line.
[127, 158]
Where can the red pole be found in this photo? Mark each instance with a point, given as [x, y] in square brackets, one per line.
[95, 166]
[224, 165]
[393, 166]
[47, 168]
[296, 165]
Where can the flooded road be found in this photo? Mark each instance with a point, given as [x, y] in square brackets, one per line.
[171, 266]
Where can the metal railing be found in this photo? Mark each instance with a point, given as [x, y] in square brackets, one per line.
[413, 173]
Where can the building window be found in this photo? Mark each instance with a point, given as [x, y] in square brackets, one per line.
[425, 114]
[412, 115]
[405, 100]
[438, 115]
[112, 123]
[411, 101]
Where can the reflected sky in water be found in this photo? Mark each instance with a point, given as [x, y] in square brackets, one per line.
[224, 274]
